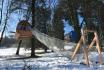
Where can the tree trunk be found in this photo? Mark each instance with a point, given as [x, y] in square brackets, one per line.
[6, 19]
[18, 48]
[73, 17]
[3, 33]
[1, 11]
[33, 25]
[74, 21]
[58, 24]
[77, 30]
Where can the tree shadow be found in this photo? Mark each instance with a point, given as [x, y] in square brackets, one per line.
[72, 66]
[23, 57]
[43, 52]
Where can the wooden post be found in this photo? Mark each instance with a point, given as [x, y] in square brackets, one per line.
[18, 48]
[85, 49]
[86, 56]
[98, 48]
[77, 48]
[95, 40]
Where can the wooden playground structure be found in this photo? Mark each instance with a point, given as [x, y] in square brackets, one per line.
[86, 48]
[23, 30]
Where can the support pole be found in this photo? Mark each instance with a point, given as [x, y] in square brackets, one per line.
[77, 48]
[18, 48]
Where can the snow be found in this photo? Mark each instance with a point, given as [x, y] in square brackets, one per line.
[46, 61]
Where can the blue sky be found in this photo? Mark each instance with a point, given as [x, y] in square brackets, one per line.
[67, 27]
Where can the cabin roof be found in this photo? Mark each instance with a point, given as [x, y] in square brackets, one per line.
[23, 25]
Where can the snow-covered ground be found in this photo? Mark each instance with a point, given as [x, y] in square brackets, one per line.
[46, 61]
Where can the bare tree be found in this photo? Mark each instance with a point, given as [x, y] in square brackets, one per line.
[5, 21]
[1, 10]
